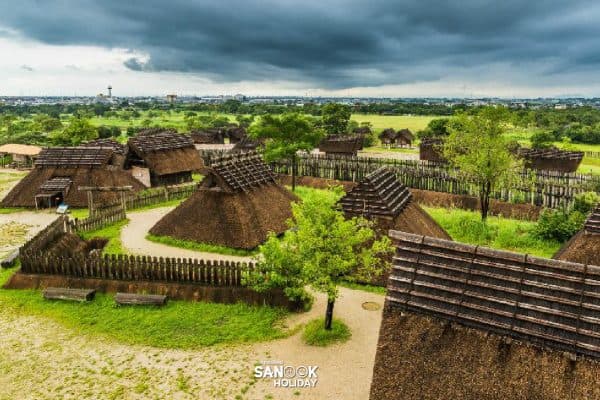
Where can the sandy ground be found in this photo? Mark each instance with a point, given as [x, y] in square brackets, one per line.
[133, 237]
[396, 155]
[40, 359]
[33, 221]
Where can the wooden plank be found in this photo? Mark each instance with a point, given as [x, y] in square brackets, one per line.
[54, 293]
[140, 299]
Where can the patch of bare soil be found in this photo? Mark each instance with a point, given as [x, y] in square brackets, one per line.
[40, 359]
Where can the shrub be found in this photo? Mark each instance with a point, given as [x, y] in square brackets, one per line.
[559, 225]
[585, 202]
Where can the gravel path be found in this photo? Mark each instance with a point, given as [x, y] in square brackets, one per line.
[40, 359]
[133, 237]
[34, 222]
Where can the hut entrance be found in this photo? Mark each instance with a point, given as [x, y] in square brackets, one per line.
[49, 200]
[52, 192]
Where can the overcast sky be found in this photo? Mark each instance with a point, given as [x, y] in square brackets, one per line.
[311, 47]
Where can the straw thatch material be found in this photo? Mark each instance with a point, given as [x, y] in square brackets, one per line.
[235, 134]
[237, 205]
[108, 143]
[430, 149]
[20, 149]
[74, 157]
[165, 153]
[549, 303]
[23, 194]
[387, 136]
[551, 159]
[341, 144]
[208, 136]
[383, 198]
[465, 322]
[246, 145]
[422, 358]
[584, 247]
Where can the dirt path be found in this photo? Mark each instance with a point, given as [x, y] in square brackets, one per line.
[40, 359]
[133, 237]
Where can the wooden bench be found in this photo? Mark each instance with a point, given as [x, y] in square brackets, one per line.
[53, 293]
[10, 260]
[140, 299]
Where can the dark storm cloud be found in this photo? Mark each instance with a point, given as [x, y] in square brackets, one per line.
[333, 44]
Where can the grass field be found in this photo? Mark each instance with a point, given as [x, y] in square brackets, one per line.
[179, 324]
[498, 233]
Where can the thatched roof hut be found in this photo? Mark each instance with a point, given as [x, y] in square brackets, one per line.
[466, 322]
[362, 130]
[119, 150]
[381, 197]
[341, 144]
[387, 136]
[247, 145]
[551, 159]
[404, 137]
[21, 154]
[431, 149]
[170, 157]
[59, 172]
[235, 133]
[584, 247]
[208, 136]
[236, 206]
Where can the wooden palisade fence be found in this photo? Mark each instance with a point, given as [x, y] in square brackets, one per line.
[543, 188]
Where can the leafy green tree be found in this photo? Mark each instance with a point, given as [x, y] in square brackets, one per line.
[321, 249]
[284, 136]
[478, 147]
[244, 120]
[435, 128]
[46, 123]
[335, 118]
[78, 131]
[542, 140]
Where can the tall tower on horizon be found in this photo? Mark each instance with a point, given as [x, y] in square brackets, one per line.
[109, 91]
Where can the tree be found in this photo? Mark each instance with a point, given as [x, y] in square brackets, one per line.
[321, 249]
[478, 148]
[336, 118]
[435, 128]
[286, 135]
[542, 140]
[79, 130]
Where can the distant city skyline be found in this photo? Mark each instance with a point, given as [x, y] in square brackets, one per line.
[382, 48]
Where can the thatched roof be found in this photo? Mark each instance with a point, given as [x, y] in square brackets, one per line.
[235, 133]
[549, 303]
[406, 134]
[41, 180]
[584, 247]
[431, 149]
[166, 152]
[341, 144]
[379, 194]
[237, 205]
[388, 135]
[208, 136]
[246, 145]
[112, 144]
[362, 130]
[20, 149]
[551, 159]
[382, 197]
[466, 322]
[420, 357]
[74, 157]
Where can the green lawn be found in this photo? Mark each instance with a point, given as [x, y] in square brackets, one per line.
[204, 247]
[380, 122]
[112, 233]
[499, 233]
[179, 324]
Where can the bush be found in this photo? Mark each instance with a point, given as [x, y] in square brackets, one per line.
[586, 202]
[542, 140]
[559, 225]
[315, 333]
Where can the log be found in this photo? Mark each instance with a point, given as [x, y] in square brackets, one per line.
[140, 299]
[10, 260]
[53, 293]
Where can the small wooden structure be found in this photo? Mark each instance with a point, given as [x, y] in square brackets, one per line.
[551, 159]
[401, 138]
[54, 293]
[170, 157]
[140, 299]
[99, 189]
[347, 145]
[60, 171]
[22, 155]
[208, 136]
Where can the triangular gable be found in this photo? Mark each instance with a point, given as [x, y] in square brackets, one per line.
[380, 194]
